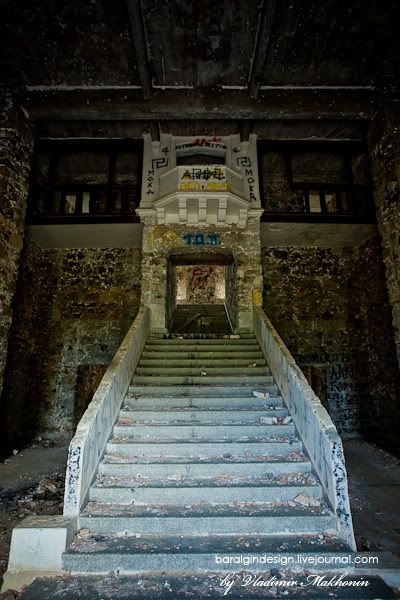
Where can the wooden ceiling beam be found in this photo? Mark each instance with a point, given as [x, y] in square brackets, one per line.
[129, 105]
[155, 131]
[140, 46]
[245, 129]
[261, 47]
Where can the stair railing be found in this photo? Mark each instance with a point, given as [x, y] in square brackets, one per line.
[312, 421]
[87, 446]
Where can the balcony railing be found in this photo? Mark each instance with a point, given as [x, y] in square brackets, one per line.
[82, 204]
[324, 203]
[200, 179]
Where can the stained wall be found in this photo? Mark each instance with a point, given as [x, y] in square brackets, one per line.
[72, 310]
[331, 307]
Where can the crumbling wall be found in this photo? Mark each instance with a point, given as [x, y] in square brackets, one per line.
[331, 308]
[384, 142]
[162, 241]
[15, 159]
[73, 308]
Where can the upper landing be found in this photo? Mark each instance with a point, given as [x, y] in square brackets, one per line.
[200, 180]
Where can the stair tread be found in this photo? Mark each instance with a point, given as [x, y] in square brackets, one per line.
[188, 362]
[171, 544]
[204, 509]
[123, 422]
[255, 441]
[292, 457]
[127, 413]
[136, 392]
[296, 479]
[206, 380]
[138, 423]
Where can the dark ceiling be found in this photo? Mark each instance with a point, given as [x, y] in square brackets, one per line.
[197, 48]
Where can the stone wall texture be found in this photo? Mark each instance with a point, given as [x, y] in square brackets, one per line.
[384, 141]
[163, 241]
[73, 308]
[15, 160]
[331, 308]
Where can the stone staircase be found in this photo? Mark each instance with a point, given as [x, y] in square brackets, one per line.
[203, 460]
[200, 318]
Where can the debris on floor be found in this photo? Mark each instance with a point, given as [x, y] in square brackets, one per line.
[260, 394]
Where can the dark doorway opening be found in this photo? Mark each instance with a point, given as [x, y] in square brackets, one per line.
[201, 295]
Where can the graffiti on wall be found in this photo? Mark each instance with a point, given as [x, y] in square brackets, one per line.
[200, 284]
[205, 179]
[346, 388]
[156, 163]
[346, 381]
[202, 239]
[247, 168]
[213, 143]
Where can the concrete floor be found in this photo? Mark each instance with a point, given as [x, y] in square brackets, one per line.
[374, 485]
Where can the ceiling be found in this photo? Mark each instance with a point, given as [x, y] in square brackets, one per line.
[150, 59]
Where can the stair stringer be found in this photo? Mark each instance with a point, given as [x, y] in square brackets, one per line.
[88, 444]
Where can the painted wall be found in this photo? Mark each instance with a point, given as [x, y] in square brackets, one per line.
[72, 310]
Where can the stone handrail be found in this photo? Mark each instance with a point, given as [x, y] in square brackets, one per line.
[88, 444]
[318, 433]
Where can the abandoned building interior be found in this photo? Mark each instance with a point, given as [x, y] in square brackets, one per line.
[199, 271]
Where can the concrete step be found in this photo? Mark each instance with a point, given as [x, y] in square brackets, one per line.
[145, 398]
[215, 349]
[179, 471]
[241, 380]
[234, 518]
[202, 335]
[200, 363]
[200, 339]
[238, 479]
[206, 417]
[174, 354]
[155, 450]
[193, 339]
[133, 554]
[177, 495]
[199, 371]
[200, 431]
[200, 344]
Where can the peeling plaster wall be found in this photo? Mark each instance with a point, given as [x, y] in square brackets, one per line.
[331, 308]
[73, 308]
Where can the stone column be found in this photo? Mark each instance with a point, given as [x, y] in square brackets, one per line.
[384, 144]
[155, 246]
[247, 248]
[15, 159]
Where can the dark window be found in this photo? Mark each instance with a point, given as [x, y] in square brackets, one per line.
[200, 159]
[85, 181]
[309, 181]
